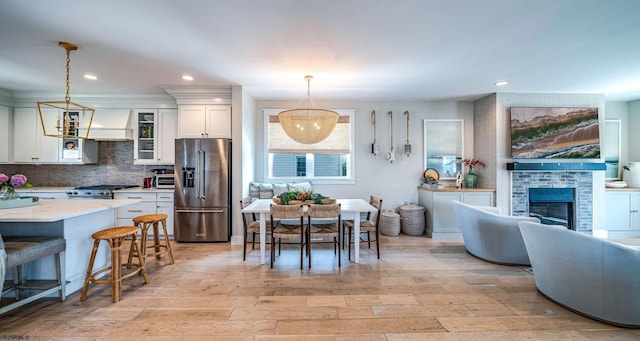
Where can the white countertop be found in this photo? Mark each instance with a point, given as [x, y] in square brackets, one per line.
[54, 210]
[44, 189]
[145, 190]
[68, 188]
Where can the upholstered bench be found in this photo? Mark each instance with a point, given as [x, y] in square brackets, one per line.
[17, 251]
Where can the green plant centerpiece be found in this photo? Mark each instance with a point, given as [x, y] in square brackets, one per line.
[299, 197]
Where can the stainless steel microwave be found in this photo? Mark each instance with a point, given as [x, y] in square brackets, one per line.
[165, 181]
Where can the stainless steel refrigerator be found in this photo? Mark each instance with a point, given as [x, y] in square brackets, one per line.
[203, 190]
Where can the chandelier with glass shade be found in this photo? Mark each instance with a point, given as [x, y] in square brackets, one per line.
[308, 125]
[65, 119]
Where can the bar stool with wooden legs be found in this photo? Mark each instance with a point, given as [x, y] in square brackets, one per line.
[114, 237]
[144, 222]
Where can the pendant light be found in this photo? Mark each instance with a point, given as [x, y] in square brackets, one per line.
[308, 125]
[65, 119]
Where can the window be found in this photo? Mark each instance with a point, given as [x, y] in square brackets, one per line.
[328, 161]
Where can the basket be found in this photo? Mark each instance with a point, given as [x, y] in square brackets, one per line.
[390, 224]
[412, 219]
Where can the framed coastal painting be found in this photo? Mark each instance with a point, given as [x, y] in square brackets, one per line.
[555, 133]
[443, 146]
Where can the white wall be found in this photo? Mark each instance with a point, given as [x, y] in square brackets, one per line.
[243, 145]
[395, 183]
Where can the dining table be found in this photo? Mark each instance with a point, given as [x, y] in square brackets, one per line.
[350, 210]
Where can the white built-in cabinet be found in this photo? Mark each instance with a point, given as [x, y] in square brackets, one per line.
[208, 121]
[622, 213]
[164, 204]
[440, 218]
[155, 132]
[4, 134]
[31, 146]
[151, 202]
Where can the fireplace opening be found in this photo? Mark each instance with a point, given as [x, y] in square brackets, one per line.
[553, 206]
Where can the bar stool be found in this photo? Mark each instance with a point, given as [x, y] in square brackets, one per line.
[114, 236]
[144, 222]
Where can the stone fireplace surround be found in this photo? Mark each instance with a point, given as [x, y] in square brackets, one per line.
[582, 181]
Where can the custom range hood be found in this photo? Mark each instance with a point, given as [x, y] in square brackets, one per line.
[110, 125]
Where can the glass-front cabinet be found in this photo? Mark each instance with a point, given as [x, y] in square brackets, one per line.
[155, 133]
[144, 143]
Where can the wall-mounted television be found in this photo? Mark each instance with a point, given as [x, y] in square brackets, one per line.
[555, 133]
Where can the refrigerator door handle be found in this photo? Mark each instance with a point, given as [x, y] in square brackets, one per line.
[196, 176]
[198, 211]
[202, 175]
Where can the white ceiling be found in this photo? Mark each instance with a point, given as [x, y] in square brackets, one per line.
[356, 49]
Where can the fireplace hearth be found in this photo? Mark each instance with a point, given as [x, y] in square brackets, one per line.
[553, 206]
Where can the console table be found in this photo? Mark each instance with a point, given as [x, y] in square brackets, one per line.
[440, 219]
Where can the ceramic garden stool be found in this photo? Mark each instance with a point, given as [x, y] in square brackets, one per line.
[144, 222]
[114, 237]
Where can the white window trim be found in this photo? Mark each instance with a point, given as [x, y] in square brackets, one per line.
[349, 179]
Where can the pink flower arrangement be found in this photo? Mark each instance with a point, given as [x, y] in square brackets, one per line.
[473, 163]
[16, 180]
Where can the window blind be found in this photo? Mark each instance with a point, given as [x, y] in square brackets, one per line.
[338, 142]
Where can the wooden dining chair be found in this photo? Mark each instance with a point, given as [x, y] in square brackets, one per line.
[290, 231]
[324, 222]
[250, 225]
[367, 226]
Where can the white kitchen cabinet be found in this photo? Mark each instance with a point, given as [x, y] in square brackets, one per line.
[31, 146]
[208, 121]
[152, 202]
[29, 143]
[164, 204]
[622, 213]
[168, 127]
[155, 133]
[125, 214]
[4, 134]
[440, 218]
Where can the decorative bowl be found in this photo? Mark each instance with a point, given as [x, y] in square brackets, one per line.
[616, 184]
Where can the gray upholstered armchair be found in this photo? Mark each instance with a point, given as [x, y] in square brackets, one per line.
[490, 235]
[592, 276]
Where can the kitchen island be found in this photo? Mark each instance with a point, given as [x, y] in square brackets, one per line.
[76, 221]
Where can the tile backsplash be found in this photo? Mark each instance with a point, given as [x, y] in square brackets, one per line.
[115, 166]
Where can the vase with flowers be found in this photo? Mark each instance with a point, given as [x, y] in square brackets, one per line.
[8, 185]
[471, 178]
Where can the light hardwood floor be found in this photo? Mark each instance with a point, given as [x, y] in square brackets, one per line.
[421, 289]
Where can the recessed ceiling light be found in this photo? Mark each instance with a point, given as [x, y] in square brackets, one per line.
[187, 77]
[501, 83]
[92, 77]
